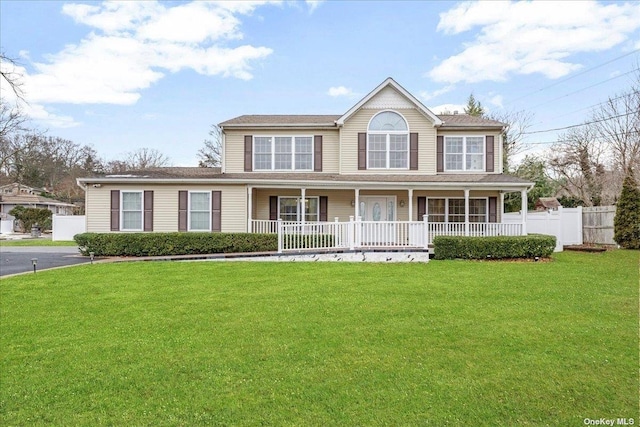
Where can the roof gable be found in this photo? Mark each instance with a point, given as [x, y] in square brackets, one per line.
[389, 94]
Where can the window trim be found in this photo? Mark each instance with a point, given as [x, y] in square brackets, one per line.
[388, 142]
[273, 137]
[446, 209]
[122, 211]
[298, 198]
[464, 153]
[189, 210]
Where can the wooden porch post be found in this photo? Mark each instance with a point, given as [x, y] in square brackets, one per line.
[249, 208]
[524, 208]
[466, 211]
[410, 204]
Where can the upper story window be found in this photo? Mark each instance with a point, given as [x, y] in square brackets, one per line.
[282, 153]
[464, 153]
[388, 142]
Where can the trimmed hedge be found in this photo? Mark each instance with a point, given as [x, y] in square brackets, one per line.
[495, 247]
[163, 244]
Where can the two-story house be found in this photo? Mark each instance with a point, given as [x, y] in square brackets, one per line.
[389, 159]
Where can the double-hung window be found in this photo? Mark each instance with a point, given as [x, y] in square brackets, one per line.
[293, 209]
[452, 210]
[464, 153]
[388, 142]
[283, 153]
[131, 212]
[200, 211]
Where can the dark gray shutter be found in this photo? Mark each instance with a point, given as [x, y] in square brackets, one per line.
[216, 211]
[413, 151]
[362, 151]
[248, 153]
[317, 153]
[273, 208]
[115, 210]
[324, 204]
[183, 201]
[422, 208]
[490, 156]
[440, 154]
[493, 209]
[148, 210]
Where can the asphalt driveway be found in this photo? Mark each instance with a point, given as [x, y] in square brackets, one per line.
[16, 259]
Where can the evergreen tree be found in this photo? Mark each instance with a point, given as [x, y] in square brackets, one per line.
[626, 223]
[474, 108]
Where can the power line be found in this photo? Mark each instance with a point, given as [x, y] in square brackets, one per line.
[564, 141]
[595, 105]
[573, 76]
[585, 88]
[581, 124]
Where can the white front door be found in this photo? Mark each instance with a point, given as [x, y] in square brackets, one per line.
[375, 209]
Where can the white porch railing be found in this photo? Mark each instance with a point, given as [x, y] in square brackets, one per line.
[356, 234]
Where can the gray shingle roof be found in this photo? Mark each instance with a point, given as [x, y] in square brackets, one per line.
[282, 120]
[214, 174]
[450, 120]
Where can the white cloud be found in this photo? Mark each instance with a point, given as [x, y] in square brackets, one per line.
[313, 4]
[133, 45]
[530, 37]
[339, 91]
[496, 100]
[426, 96]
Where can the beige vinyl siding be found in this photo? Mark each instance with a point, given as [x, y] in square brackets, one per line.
[234, 146]
[417, 122]
[165, 206]
[497, 144]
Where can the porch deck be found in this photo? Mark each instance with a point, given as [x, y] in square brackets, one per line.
[358, 234]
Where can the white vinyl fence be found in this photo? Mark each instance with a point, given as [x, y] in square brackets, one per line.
[66, 226]
[565, 224]
[6, 226]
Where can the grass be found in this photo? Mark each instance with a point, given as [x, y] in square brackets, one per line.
[443, 343]
[37, 242]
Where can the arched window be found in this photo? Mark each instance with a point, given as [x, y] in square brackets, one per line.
[388, 141]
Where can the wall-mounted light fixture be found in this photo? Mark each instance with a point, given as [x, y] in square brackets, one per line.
[353, 203]
[402, 203]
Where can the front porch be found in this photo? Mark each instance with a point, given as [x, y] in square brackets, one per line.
[358, 234]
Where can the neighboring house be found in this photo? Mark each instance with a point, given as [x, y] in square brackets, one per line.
[12, 195]
[547, 203]
[389, 159]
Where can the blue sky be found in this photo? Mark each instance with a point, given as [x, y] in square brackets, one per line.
[123, 76]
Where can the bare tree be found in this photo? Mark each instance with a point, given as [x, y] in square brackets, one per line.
[617, 122]
[579, 161]
[518, 122]
[8, 74]
[210, 155]
[145, 158]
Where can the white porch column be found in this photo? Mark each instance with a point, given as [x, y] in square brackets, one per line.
[411, 204]
[303, 205]
[524, 208]
[501, 207]
[357, 200]
[249, 208]
[466, 211]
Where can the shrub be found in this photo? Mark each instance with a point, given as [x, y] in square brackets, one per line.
[497, 247]
[164, 244]
[29, 217]
[626, 223]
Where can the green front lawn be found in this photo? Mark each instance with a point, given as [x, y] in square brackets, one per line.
[37, 242]
[242, 343]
